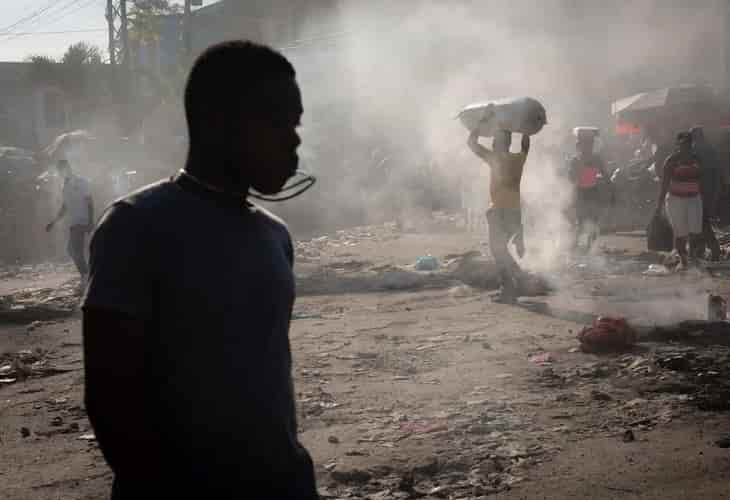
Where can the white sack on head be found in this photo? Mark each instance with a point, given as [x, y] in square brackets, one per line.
[586, 132]
[523, 115]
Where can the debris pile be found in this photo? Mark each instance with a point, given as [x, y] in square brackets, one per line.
[41, 304]
[607, 335]
[25, 364]
[494, 454]
[314, 249]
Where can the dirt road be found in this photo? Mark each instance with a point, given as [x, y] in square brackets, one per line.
[414, 385]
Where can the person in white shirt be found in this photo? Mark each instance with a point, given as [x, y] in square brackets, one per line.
[78, 209]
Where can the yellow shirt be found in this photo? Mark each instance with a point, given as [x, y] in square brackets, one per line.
[504, 181]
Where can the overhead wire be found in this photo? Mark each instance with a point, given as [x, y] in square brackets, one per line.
[65, 11]
[62, 32]
[30, 16]
[70, 12]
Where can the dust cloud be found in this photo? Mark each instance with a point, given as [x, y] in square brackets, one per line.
[401, 71]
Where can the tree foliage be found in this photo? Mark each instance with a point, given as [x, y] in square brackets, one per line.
[80, 54]
[144, 14]
[79, 73]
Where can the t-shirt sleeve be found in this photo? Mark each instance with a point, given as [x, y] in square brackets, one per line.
[120, 277]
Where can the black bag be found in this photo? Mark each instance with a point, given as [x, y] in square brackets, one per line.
[659, 234]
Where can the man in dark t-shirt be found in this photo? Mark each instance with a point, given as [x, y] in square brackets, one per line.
[186, 316]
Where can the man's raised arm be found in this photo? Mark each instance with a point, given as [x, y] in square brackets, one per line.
[482, 152]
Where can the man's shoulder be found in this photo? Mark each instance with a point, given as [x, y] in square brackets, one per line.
[146, 203]
[155, 196]
[270, 218]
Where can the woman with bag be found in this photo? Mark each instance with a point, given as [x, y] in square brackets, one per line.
[681, 195]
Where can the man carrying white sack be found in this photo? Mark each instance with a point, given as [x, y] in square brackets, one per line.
[504, 215]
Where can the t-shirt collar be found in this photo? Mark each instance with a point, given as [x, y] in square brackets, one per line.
[193, 184]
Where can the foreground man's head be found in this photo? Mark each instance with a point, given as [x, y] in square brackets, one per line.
[243, 107]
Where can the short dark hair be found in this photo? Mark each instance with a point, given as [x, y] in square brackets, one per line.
[225, 74]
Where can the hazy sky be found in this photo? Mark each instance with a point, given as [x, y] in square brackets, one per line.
[39, 17]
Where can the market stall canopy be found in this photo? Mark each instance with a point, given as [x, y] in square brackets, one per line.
[681, 95]
[671, 108]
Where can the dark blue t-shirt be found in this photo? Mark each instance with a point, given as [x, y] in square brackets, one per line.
[212, 279]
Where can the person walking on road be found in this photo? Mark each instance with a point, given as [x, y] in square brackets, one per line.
[187, 312]
[77, 208]
[588, 173]
[681, 195]
[504, 215]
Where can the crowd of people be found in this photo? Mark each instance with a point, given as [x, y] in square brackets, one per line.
[690, 184]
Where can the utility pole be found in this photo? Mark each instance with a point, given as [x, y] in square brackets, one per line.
[116, 16]
[110, 26]
[120, 59]
[187, 28]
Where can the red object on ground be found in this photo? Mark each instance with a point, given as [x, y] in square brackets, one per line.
[607, 335]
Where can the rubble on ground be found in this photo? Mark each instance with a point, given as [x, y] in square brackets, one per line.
[26, 364]
[39, 303]
[496, 450]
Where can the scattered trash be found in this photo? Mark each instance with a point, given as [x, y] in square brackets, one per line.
[333, 440]
[33, 306]
[24, 432]
[716, 308]
[629, 436]
[26, 364]
[305, 315]
[657, 270]
[427, 263]
[88, 437]
[421, 427]
[543, 358]
[607, 335]
[461, 291]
